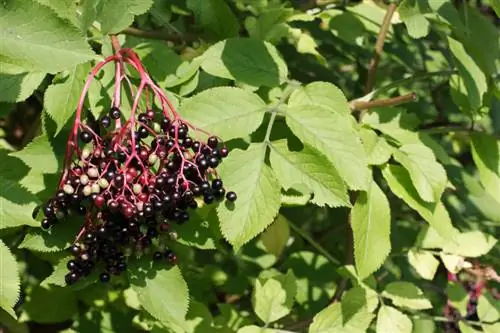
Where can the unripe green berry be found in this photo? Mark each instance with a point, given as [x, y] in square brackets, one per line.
[103, 183]
[87, 190]
[68, 189]
[152, 158]
[85, 153]
[137, 188]
[156, 127]
[96, 188]
[84, 179]
[93, 172]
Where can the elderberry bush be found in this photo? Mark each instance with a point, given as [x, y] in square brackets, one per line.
[131, 176]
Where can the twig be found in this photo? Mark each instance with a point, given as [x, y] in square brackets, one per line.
[379, 47]
[160, 35]
[357, 105]
[313, 243]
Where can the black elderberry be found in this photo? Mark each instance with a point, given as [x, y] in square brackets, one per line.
[188, 143]
[224, 152]
[157, 255]
[152, 232]
[115, 112]
[71, 278]
[171, 257]
[231, 196]
[219, 193]
[165, 124]
[104, 277]
[208, 198]
[205, 186]
[212, 142]
[143, 132]
[196, 146]
[183, 217]
[46, 224]
[142, 118]
[75, 249]
[105, 121]
[121, 267]
[72, 265]
[85, 136]
[216, 184]
[48, 211]
[203, 163]
[213, 162]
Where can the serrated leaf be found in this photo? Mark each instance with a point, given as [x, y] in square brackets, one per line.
[333, 135]
[258, 190]
[38, 155]
[406, 294]
[330, 320]
[199, 232]
[246, 60]
[376, 147]
[58, 277]
[473, 78]
[315, 279]
[424, 263]
[116, 15]
[65, 9]
[16, 205]
[411, 13]
[151, 282]
[371, 227]
[9, 280]
[391, 320]
[486, 155]
[358, 299]
[214, 17]
[35, 38]
[453, 263]
[275, 237]
[18, 87]
[429, 177]
[312, 169]
[225, 111]
[488, 311]
[435, 214]
[61, 98]
[50, 305]
[273, 298]
[322, 94]
[58, 238]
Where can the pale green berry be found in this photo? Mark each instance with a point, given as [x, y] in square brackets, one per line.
[87, 190]
[156, 127]
[93, 172]
[84, 180]
[137, 188]
[85, 153]
[152, 158]
[103, 183]
[68, 189]
[96, 188]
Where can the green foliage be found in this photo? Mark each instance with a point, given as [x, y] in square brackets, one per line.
[348, 219]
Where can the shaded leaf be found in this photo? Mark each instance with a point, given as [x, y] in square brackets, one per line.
[258, 190]
[9, 280]
[275, 237]
[215, 17]
[486, 155]
[406, 294]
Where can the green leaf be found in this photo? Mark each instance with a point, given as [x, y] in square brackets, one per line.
[488, 311]
[61, 98]
[273, 298]
[406, 294]
[312, 169]
[331, 320]
[390, 319]
[270, 25]
[468, 244]
[38, 155]
[486, 155]
[358, 299]
[257, 329]
[60, 237]
[214, 17]
[275, 237]
[50, 305]
[371, 227]
[226, 111]
[199, 232]
[246, 173]
[457, 296]
[473, 78]
[16, 205]
[424, 263]
[245, 60]
[65, 9]
[151, 282]
[12, 325]
[58, 276]
[428, 176]
[411, 13]
[17, 85]
[9, 280]
[322, 94]
[116, 15]
[315, 279]
[402, 186]
[35, 38]
[333, 135]
[376, 147]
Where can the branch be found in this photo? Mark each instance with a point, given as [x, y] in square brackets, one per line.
[379, 47]
[357, 105]
[161, 35]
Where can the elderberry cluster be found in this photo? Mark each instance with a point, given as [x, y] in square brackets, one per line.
[132, 179]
